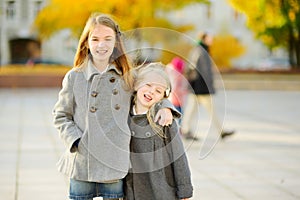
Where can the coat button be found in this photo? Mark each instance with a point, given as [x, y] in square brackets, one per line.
[117, 107]
[132, 133]
[112, 79]
[93, 109]
[147, 134]
[115, 91]
[94, 94]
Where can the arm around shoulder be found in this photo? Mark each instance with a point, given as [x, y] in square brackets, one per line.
[166, 103]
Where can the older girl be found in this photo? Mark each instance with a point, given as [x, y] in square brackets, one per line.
[92, 111]
[160, 168]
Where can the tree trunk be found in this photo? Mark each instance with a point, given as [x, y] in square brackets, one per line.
[294, 38]
[297, 51]
[291, 47]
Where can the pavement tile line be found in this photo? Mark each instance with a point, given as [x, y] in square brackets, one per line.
[19, 152]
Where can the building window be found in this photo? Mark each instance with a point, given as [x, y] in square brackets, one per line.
[10, 9]
[37, 7]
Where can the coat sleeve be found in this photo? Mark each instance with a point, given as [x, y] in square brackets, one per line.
[166, 103]
[63, 112]
[180, 166]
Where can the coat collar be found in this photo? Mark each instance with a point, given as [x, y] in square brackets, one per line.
[90, 70]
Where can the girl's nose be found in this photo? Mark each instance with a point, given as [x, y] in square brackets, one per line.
[152, 89]
[101, 44]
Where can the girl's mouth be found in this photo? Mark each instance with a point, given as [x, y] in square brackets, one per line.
[147, 97]
[102, 51]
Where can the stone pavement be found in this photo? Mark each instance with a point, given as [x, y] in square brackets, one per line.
[261, 161]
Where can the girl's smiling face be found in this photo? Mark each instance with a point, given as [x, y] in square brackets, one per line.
[101, 43]
[149, 91]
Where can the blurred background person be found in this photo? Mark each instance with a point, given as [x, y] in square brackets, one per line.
[175, 70]
[201, 80]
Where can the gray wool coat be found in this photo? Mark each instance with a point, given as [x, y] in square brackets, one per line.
[160, 169]
[94, 108]
[91, 117]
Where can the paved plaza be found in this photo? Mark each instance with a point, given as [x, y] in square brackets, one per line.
[260, 162]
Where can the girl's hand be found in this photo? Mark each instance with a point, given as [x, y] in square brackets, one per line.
[164, 117]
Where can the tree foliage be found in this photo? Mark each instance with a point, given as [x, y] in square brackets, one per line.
[224, 48]
[130, 14]
[275, 22]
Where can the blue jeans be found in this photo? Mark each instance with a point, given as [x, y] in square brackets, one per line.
[82, 190]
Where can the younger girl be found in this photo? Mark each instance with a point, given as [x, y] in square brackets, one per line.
[160, 168]
[92, 111]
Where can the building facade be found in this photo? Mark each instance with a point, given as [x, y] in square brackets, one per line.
[20, 44]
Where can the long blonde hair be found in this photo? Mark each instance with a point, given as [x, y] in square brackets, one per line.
[139, 75]
[118, 56]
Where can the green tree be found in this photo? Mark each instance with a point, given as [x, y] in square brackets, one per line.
[275, 22]
[130, 14]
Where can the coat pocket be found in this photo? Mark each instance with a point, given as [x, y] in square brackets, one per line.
[65, 164]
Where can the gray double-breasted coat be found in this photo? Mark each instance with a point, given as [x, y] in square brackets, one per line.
[94, 108]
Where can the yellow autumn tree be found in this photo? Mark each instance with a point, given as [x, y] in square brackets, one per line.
[225, 48]
[130, 14]
[275, 22]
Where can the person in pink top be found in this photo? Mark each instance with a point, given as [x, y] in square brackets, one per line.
[175, 70]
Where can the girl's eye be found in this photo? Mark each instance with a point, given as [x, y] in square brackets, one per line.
[158, 91]
[148, 84]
